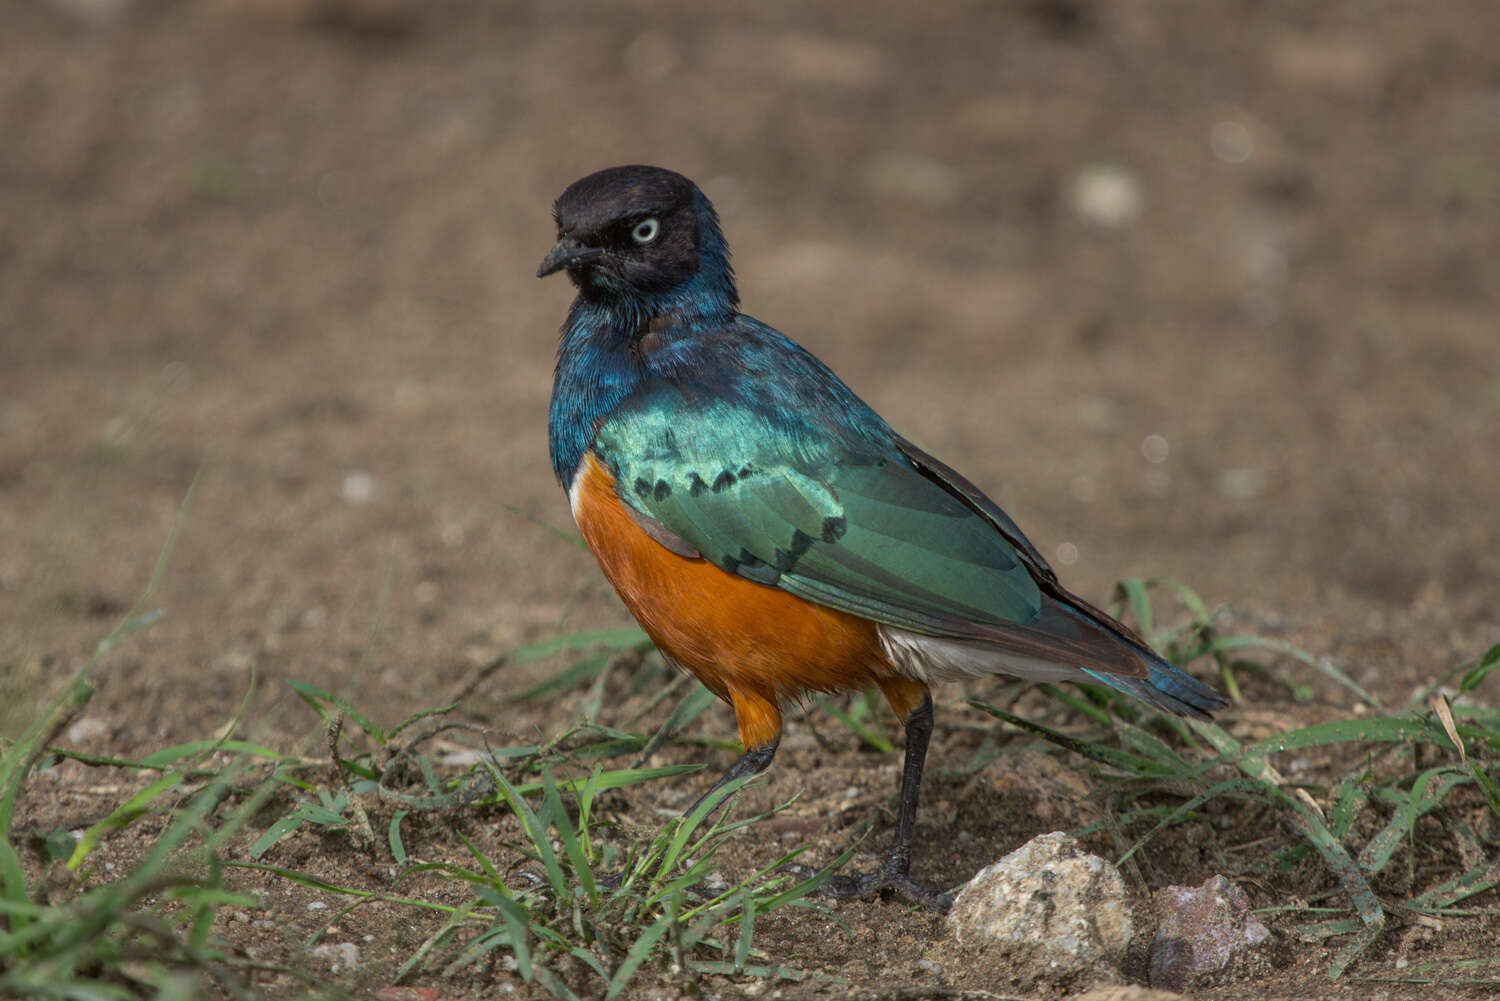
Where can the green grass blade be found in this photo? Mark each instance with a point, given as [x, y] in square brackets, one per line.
[641, 948]
[536, 832]
[15, 898]
[1134, 764]
[571, 538]
[747, 930]
[1230, 644]
[1426, 794]
[568, 835]
[1247, 786]
[611, 639]
[486, 866]
[1376, 729]
[854, 726]
[169, 756]
[1348, 797]
[579, 671]
[281, 828]
[616, 779]
[797, 891]
[419, 716]
[1080, 703]
[518, 930]
[1450, 892]
[1131, 593]
[317, 883]
[1477, 674]
[393, 837]
[591, 961]
[690, 823]
[1309, 823]
[554, 984]
[693, 705]
[318, 698]
[121, 817]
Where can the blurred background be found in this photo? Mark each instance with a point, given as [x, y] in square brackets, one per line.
[1201, 293]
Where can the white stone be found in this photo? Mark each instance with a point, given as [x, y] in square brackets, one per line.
[358, 487]
[340, 956]
[1048, 912]
[1106, 194]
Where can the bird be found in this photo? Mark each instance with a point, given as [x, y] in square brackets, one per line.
[771, 533]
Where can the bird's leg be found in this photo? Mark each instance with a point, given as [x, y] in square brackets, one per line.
[752, 762]
[895, 872]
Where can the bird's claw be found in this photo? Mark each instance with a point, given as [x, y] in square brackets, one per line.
[848, 886]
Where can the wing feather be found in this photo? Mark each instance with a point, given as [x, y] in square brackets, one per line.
[854, 529]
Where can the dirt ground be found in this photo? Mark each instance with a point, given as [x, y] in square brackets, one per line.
[1207, 294]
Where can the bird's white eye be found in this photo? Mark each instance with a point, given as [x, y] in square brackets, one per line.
[645, 231]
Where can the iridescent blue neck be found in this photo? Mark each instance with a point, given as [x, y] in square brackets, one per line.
[596, 365]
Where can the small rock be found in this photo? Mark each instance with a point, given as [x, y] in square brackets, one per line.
[408, 994]
[340, 956]
[1202, 927]
[1106, 194]
[1048, 913]
[358, 487]
[85, 729]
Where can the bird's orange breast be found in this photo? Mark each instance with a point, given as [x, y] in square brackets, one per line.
[756, 646]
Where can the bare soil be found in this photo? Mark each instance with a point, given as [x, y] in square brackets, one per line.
[288, 246]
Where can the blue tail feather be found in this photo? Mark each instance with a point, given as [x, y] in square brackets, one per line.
[1166, 687]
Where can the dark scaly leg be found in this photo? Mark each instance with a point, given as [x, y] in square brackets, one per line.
[752, 762]
[758, 719]
[895, 872]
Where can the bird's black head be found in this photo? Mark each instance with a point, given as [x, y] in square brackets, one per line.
[637, 232]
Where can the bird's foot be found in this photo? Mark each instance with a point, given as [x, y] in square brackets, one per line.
[890, 876]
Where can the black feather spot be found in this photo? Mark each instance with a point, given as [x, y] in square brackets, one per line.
[662, 490]
[695, 484]
[753, 568]
[787, 558]
[746, 471]
[642, 488]
[747, 564]
[724, 479]
[833, 529]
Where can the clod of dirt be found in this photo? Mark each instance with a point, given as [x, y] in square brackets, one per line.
[1201, 930]
[1048, 913]
[1033, 784]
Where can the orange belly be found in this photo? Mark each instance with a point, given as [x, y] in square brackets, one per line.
[758, 647]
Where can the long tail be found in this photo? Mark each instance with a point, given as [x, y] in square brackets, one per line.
[1166, 688]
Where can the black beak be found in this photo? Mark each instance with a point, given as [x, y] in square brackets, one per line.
[567, 252]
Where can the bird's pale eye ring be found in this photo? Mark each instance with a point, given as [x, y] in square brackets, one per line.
[645, 231]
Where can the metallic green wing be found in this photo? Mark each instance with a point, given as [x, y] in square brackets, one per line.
[829, 517]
